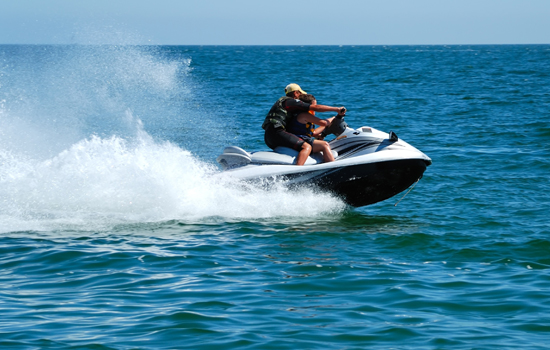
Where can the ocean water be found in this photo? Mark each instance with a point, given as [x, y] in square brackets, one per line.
[118, 232]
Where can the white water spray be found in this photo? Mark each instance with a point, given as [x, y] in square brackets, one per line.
[74, 153]
[99, 182]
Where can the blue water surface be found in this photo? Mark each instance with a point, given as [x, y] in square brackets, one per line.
[116, 233]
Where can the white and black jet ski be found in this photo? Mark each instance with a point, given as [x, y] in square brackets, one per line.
[370, 165]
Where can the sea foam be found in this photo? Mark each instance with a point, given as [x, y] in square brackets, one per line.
[100, 182]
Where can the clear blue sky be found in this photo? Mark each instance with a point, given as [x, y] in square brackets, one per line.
[270, 22]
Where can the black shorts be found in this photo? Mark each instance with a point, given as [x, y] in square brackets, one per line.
[279, 137]
[308, 139]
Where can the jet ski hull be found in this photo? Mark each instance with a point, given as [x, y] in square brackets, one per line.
[366, 184]
[356, 184]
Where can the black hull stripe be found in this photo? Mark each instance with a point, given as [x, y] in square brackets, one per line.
[364, 184]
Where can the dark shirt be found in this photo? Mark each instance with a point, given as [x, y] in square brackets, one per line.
[283, 111]
[296, 106]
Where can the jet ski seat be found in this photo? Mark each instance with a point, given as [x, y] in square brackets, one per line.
[286, 156]
[235, 157]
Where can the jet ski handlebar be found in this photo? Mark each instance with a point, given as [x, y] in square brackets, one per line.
[337, 127]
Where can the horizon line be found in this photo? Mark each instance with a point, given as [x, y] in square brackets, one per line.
[280, 45]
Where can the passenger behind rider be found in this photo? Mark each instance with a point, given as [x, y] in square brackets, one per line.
[282, 112]
[303, 126]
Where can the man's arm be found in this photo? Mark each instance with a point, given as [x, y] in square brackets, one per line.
[323, 108]
[296, 106]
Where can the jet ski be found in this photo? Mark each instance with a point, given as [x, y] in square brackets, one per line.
[370, 165]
